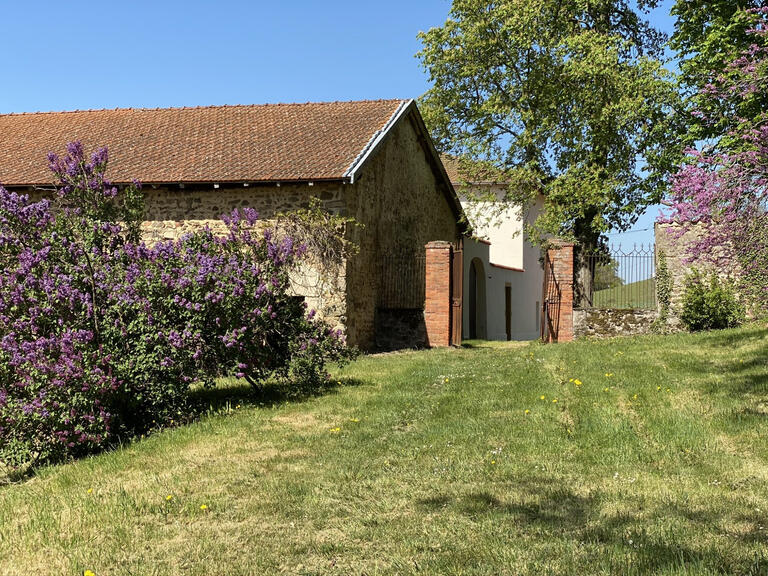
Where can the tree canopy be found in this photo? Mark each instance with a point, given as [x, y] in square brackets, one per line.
[566, 98]
[710, 35]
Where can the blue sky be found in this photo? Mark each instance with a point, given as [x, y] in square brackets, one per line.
[83, 55]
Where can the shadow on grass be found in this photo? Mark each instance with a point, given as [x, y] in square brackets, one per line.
[238, 392]
[494, 344]
[747, 371]
[209, 401]
[555, 511]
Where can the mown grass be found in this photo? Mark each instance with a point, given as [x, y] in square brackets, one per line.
[652, 460]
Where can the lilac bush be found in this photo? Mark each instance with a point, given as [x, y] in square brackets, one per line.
[101, 334]
[722, 191]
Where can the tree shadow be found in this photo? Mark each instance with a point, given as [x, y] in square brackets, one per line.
[555, 511]
[748, 375]
[230, 393]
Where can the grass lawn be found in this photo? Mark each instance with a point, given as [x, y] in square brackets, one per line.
[640, 294]
[638, 456]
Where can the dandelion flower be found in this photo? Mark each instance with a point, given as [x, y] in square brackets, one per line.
[168, 498]
[335, 430]
[634, 397]
[90, 490]
[203, 507]
[577, 382]
[493, 461]
[542, 397]
[355, 420]
[606, 389]
[527, 411]
[658, 388]
[554, 401]
[88, 573]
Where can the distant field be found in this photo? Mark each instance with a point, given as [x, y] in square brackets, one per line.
[640, 294]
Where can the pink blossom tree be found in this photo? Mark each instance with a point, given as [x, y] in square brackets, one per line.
[722, 189]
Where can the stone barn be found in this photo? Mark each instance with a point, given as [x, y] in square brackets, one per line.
[369, 160]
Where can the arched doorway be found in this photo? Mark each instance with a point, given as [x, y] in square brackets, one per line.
[477, 315]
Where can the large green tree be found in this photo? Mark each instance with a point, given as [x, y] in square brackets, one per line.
[565, 98]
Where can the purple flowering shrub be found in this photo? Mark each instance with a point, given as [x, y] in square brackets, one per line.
[102, 335]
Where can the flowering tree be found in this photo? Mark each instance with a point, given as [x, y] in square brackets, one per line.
[101, 334]
[723, 190]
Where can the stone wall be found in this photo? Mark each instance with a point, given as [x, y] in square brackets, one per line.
[402, 205]
[672, 243]
[398, 328]
[171, 212]
[607, 323]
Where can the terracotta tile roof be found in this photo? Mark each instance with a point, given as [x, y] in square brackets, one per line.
[464, 171]
[278, 142]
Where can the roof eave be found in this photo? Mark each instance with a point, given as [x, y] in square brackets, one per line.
[375, 140]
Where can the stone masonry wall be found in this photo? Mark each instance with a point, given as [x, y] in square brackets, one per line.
[607, 323]
[400, 203]
[673, 245]
[173, 212]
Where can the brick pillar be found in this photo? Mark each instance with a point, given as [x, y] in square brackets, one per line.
[560, 261]
[437, 304]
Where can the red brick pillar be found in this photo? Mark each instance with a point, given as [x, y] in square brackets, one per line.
[437, 305]
[560, 262]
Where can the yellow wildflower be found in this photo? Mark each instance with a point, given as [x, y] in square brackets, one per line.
[355, 420]
[90, 490]
[168, 498]
[88, 573]
[335, 430]
[577, 382]
[542, 397]
[554, 401]
[203, 507]
[634, 397]
[527, 411]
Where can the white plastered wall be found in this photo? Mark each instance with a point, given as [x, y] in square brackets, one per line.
[509, 260]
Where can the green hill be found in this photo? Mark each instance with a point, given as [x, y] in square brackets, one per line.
[640, 294]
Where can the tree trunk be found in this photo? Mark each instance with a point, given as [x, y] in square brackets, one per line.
[584, 277]
[583, 265]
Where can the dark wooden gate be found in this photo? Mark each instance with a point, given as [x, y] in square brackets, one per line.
[457, 289]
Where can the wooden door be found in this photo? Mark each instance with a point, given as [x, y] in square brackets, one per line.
[508, 310]
[457, 289]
